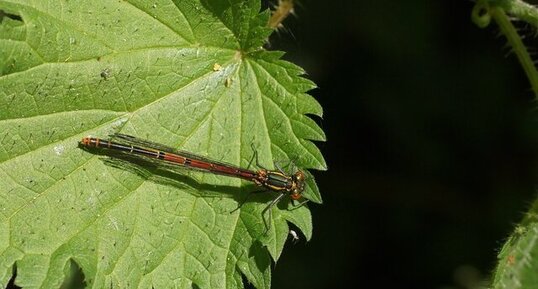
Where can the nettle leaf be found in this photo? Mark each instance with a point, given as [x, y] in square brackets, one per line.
[187, 74]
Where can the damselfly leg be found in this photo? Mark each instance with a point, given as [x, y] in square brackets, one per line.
[169, 158]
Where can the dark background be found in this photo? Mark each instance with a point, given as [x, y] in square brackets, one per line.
[430, 144]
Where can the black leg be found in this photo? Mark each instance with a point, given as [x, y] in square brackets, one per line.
[298, 205]
[268, 208]
[246, 199]
[255, 156]
[279, 169]
[290, 167]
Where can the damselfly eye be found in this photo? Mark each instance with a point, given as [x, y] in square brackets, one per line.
[299, 176]
[298, 179]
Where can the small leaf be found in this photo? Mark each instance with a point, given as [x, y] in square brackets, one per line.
[69, 69]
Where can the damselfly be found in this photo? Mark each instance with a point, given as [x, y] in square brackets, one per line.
[272, 180]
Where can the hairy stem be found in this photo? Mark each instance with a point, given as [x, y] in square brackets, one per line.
[486, 10]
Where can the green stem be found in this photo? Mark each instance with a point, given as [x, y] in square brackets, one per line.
[519, 9]
[484, 10]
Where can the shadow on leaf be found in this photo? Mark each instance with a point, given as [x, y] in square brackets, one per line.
[169, 174]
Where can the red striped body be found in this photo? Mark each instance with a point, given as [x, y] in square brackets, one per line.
[272, 180]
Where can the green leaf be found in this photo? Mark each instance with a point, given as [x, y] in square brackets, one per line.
[187, 74]
[244, 19]
[518, 259]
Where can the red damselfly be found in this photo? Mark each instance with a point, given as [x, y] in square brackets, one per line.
[271, 180]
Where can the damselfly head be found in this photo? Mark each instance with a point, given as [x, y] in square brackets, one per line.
[298, 184]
